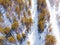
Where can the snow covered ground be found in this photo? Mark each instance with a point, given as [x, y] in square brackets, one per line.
[54, 22]
[34, 37]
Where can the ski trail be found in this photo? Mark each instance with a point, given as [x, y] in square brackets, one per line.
[33, 37]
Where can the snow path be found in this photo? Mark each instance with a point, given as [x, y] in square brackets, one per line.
[54, 22]
[33, 37]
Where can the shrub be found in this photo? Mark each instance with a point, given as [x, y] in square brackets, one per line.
[50, 40]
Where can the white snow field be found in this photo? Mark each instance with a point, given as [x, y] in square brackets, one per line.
[54, 22]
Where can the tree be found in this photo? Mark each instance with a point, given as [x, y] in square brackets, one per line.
[1, 1]
[11, 39]
[29, 12]
[41, 4]
[19, 37]
[1, 19]
[8, 16]
[41, 25]
[41, 16]
[1, 43]
[15, 25]
[24, 19]
[2, 30]
[50, 40]
[44, 11]
[23, 35]
[2, 38]
[18, 11]
[19, 1]
[29, 2]
[28, 43]
[29, 21]
[6, 30]
[6, 3]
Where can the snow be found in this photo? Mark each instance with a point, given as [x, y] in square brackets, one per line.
[54, 22]
[33, 36]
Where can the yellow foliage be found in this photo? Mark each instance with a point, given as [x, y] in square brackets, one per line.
[23, 35]
[1, 30]
[8, 2]
[15, 25]
[17, 10]
[19, 1]
[19, 37]
[14, 19]
[1, 19]
[50, 40]
[6, 30]
[29, 2]
[28, 43]
[11, 39]
[41, 25]
[1, 1]
[29, 21]
[0, 14]
[44, 11]
[24, 19]
[41, 16]
[29, 13]
[2, 38]
[8, 15]
[42, 1]
[1, 43]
